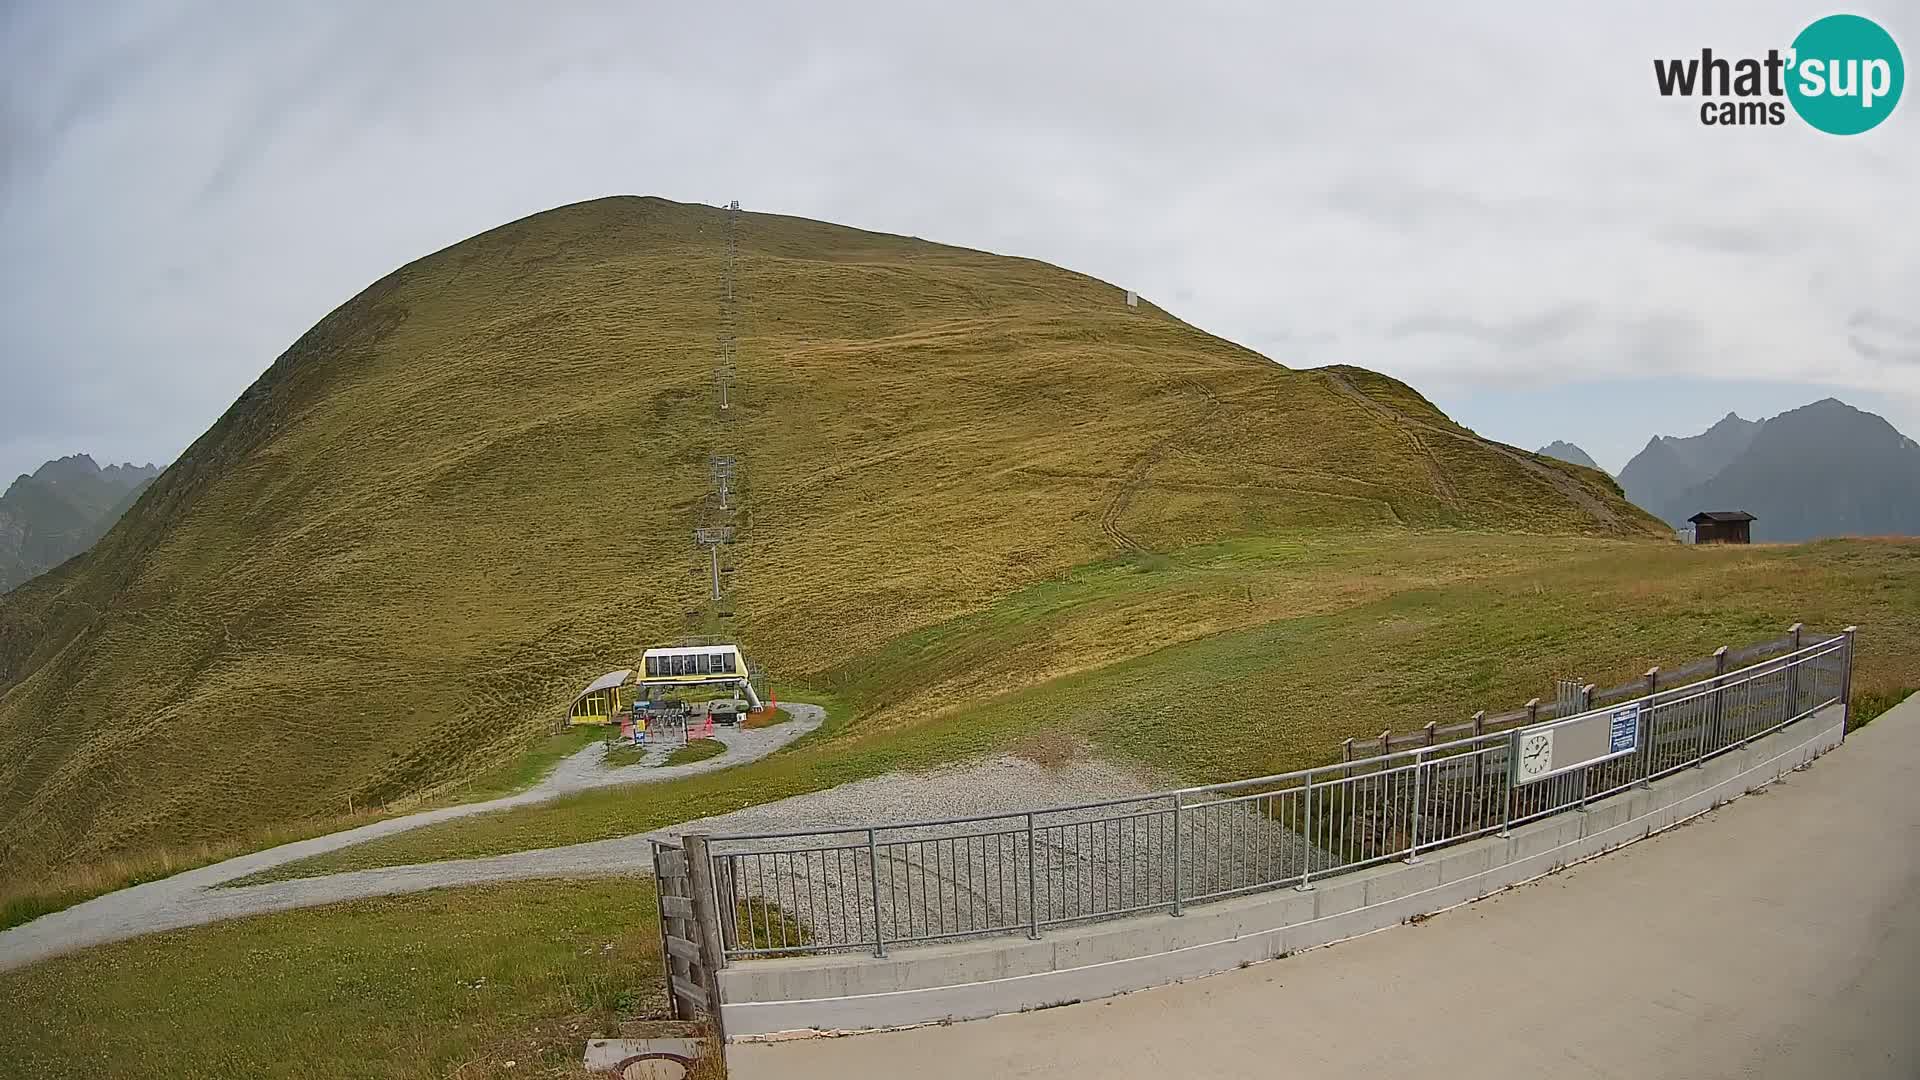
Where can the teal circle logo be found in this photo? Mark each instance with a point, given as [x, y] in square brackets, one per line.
[1846, 74]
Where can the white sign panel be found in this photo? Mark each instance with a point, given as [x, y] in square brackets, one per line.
[1561, 746]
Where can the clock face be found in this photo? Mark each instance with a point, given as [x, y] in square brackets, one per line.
[1536, 754]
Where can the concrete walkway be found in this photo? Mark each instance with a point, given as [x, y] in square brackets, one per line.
[193, 898]
[1778, 936]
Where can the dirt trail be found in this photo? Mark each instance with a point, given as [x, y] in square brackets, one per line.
[1137, 481]
[1554, 478]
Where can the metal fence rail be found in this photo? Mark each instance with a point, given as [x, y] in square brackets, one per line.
[874, 887]
[1572, 697]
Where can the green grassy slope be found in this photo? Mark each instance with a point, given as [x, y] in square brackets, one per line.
[471, 488]
[500, 981]
[1490, 622]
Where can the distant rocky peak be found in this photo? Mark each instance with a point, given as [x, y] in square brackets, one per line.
[69, 468]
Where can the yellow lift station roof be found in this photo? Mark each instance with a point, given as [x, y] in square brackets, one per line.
[605, 682]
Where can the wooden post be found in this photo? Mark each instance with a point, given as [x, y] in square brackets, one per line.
[1533, 710]
[1429, 730]
[706, 920]
[678, 1006]
[1346, 758]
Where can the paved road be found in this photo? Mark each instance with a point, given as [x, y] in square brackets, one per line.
[191, 899]
[1778, 937]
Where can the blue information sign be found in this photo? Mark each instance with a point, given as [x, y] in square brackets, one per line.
[1624, 732]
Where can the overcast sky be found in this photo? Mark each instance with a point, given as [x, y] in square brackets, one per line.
[1489, 201]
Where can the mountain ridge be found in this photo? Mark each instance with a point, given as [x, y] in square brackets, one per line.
[60, 509]
[1568, 452]
[1824, 469]
[1669, 464]
[473, 486]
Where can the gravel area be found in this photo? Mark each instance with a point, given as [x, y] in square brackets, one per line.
[584, 770]
[977, 876]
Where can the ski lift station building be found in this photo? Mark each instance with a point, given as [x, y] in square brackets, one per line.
[666, 668]
[696, 665]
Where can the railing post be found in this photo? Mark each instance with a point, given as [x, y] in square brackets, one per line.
[1719, 706]
[1793, 671]
[1507, 800]
[1419, 797]
[1177, 799]
[1846, 684]
[1479, 754]
[1645, 733]
[1533, 710]
[1033, 892]
[873, 874]
[1306, 835]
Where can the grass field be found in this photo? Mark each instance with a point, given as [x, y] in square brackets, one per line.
[623, 755]
[527, 768]
[452, 983]
[1280, 694]
[381, 575]
[697, 750]
[25, 898]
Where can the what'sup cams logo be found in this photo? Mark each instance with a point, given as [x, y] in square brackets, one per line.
[1843, 75]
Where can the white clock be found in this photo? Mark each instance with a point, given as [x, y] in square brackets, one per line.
[1536, 755]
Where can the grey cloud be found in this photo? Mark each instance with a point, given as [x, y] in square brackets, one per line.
[1523, 333]
[186, 187]
[1884, 338]
[1663, 342]
[1760, 238]
[1406, 205]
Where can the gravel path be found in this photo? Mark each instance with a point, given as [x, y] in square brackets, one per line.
[984, 786]
[190, 898]
[978, 787]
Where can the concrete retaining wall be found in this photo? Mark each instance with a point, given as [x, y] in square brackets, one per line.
[998, 975]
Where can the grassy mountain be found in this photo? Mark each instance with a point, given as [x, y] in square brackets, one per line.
[1562, 450]
[60, 509]
[472, 487]
[1825, 469]
[1669, 464]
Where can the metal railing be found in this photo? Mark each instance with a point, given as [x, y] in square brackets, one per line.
[1572, 697]
[879, 886]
